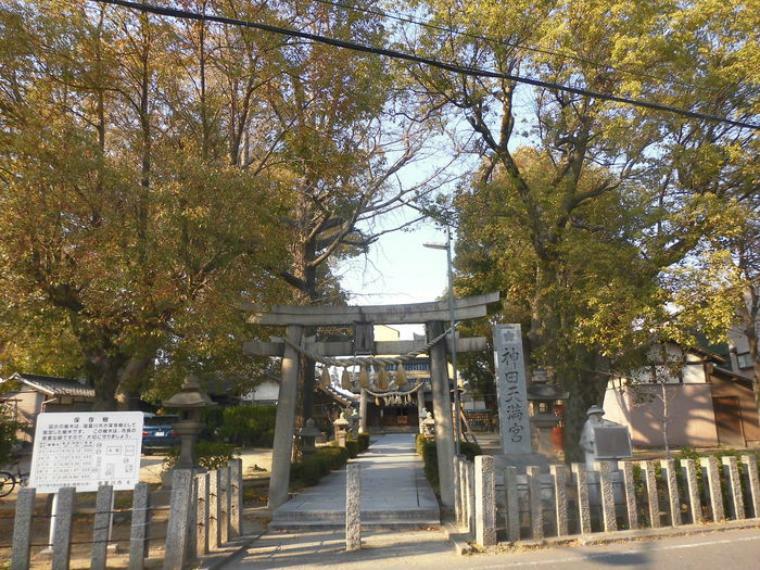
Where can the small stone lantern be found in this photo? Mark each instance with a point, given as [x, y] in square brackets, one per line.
[428, 426]
[189, 401]
[341, 429]
[308, 434]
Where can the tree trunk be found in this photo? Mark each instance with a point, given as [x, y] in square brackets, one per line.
[586, 388]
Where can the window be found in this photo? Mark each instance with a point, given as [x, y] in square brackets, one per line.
[745, 360]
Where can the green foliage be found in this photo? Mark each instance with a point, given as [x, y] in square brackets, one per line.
[8, 430]
[248, 425]
[311, 469]
[209, 454]
[427, 450]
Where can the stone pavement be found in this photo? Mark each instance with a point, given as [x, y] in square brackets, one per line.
[395, 492]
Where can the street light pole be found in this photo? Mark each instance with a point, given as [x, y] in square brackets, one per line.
[452, 317]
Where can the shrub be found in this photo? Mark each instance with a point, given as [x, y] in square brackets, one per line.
[248, 425]
[353, 447]
[312, 468]
[363, 439]
[429, 453]
[209, 454]
[7, 438]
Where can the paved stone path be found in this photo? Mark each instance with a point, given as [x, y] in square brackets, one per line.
[394, 493]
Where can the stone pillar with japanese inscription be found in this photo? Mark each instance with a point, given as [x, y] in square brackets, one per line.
[512, 394]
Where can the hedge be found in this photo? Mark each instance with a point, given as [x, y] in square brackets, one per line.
[312, 468]
[429, 453]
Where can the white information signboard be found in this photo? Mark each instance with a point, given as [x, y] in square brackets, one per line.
[85, 450]
[511, 389]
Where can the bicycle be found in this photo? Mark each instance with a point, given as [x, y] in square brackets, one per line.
[9, 480]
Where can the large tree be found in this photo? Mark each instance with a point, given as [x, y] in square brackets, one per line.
[609, 196]
[121, 220]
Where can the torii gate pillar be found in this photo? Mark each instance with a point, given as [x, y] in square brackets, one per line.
[284, 427]
[444, 442]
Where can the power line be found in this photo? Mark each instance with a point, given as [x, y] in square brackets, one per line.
[449, 30]
[395, 54]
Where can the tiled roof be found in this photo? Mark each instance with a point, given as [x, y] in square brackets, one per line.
[342, 398]
[55, 386]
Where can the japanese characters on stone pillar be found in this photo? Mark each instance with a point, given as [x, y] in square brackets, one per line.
[511, 389]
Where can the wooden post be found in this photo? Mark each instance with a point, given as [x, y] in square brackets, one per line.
[626, 467]
[512, 501]
[202, 513]
[444, 427]
[652, 499]
[138, 536]
[710, 465]
[363, 411]
[584, 510]
[695, 503]
[485, 501]
[22, 529]
[279, 481]
[609, 518]
[353, 508]
[236, 497]
[674, 504]
[750, 463]
[177, 531]
[101, 527]
[731, 469]
[213, 506]
[534, 497]
[62, 539]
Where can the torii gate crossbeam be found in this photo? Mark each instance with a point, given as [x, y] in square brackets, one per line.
[295, 318]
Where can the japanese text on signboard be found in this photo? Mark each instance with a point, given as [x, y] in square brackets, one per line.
[87, 449]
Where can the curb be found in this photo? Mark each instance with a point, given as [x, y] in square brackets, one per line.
[620, 536]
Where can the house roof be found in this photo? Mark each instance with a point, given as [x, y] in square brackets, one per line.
[733, 376]
[52, 386]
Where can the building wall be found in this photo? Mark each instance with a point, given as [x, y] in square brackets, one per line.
[692, 419]
[27, 405]
[725, 388]
[268, 391]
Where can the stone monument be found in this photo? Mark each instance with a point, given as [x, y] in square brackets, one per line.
[512, 396]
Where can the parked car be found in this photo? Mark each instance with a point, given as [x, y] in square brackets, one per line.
[158, 433]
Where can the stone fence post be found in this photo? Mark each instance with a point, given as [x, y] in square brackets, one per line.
[353, 507]
[22, 529]
[485, 501]
[177, 531]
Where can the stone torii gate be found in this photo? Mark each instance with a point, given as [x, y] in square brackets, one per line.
[362, 319]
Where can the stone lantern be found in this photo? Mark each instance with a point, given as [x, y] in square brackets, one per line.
[308, 434]
[428, 426]
[190, 401]
[341, 429]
